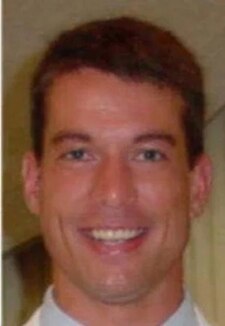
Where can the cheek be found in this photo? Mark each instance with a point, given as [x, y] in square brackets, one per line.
[61, 207]
[164, 194]
[166, 204]
[62, 188]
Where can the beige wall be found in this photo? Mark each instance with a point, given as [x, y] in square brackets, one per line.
[30, 24]
[205, 264]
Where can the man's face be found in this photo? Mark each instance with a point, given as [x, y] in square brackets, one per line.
[115, 188]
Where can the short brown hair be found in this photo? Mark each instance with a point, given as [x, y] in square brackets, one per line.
[131, 49]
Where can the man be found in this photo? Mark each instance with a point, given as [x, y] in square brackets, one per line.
[117, 173]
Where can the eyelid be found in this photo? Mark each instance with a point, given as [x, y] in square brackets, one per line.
[157, 152]
[69, 155]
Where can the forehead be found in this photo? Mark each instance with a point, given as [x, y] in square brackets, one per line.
[105, 101]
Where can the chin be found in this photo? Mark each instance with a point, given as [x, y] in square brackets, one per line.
[118, 296]
[117, 290]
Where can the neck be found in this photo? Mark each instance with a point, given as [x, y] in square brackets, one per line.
[154, 309]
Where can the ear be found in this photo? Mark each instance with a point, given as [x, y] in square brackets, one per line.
[31, 182]
[201, 180]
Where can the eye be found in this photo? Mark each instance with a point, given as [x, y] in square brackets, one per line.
[79, 154]
[152, 155]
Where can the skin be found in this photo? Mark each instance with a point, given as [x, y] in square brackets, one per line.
[115, 157]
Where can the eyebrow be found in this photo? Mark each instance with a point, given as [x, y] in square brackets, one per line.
[83, 137]
[152, 136]
[69, 135]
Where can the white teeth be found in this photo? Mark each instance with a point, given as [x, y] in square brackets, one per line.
[115, 235]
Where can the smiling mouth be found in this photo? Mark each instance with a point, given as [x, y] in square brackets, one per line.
[112, 236]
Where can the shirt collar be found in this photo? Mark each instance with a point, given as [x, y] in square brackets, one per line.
[185, 314]
[51, 314]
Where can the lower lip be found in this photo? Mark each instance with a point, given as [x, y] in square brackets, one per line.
[114, 248]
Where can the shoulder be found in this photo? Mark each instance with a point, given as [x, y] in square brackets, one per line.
[34, 319]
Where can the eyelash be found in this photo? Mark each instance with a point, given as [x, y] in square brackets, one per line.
[76, 154]
[152, 155]
[145, 155]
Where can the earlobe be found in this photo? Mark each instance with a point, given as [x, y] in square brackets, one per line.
[201, 180]
[31, 182]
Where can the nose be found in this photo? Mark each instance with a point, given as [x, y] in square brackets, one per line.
[114, 186]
